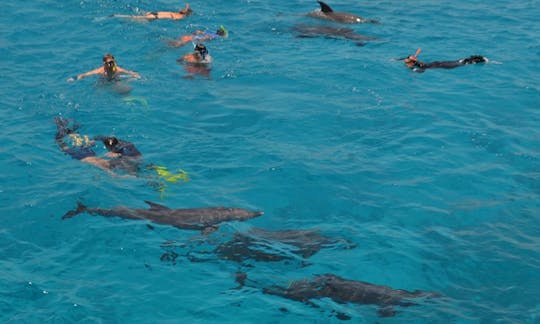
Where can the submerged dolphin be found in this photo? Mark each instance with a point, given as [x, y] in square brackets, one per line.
[205, 219]
[327, 13]
[308, 31]
[274, 246]
[348, 291]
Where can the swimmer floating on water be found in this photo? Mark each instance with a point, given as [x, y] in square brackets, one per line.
[161, 14]
[412, 62]
[123, 154]
[110, 70]
[199, 55]
[197, 62]
[199, 36]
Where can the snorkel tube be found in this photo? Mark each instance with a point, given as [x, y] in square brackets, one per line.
[414, 57]
[225, 32]
[411, 60]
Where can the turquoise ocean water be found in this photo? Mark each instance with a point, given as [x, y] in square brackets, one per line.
[434, 177]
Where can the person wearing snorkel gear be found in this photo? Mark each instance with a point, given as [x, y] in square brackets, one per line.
[199, 36]
[162, 14]
[414, 64]
[110, 70]
[123, 154]
[198, 56]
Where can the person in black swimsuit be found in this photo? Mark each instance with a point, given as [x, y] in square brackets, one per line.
[414, 64]
[123, 155]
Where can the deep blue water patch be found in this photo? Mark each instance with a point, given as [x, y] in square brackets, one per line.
[434, 176]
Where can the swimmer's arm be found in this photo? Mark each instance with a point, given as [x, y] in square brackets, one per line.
[99, 70]
[132, 73]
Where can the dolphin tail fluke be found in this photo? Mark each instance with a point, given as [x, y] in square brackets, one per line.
[80, 209]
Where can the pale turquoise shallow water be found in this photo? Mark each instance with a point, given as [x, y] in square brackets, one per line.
[434, 176]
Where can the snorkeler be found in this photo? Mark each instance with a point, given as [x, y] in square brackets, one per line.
[161, 14]
[110, 70]
[123, 154]
[199, 36]
[198, 56]
[412, 62]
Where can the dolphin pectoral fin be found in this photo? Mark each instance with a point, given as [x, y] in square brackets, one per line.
[155, 206]
[324, 7]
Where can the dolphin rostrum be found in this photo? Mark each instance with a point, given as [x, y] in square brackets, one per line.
[341, 17]
[348, 291]
[205, 219]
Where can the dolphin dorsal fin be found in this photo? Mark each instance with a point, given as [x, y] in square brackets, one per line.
[324, 7]
[155, 206]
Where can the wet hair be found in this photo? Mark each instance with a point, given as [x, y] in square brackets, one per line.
[113, 144]
[110, 142]
[108, 57]
[220, 32]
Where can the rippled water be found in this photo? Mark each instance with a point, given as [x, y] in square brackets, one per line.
[433, 177]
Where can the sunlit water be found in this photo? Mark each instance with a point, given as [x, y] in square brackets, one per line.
[434, 177]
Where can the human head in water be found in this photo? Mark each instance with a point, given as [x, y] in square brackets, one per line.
[114, 145]
[109, 64]
[411, 60]
[110, 142]
[222, 31]
[201, 50]
[186, 11]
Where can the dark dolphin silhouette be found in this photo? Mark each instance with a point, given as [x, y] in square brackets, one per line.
[309, 31]
[269, 246]
[327, 13]
[205, 219]
[347, 291]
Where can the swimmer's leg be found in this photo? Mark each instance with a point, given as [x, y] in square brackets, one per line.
[99, 162]
[62, 128]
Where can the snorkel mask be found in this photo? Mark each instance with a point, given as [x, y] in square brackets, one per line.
[411, 60]
[201, 49]
[222, 31]
[110, 66]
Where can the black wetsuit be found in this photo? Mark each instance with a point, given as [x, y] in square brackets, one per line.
[421, 66]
